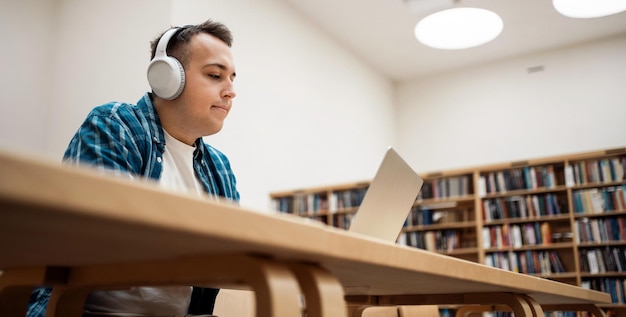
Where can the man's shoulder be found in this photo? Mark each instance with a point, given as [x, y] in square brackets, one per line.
[133, 118]
[142, 109]
[116, 109]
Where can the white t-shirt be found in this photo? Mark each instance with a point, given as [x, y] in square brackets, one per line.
[171, 301]
[178, 174]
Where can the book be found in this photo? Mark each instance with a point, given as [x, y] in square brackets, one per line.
[570, 180]
[486, 237]
[592, 262]
[556, 263]
[546, 233]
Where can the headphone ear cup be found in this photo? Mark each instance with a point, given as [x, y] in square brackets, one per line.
[166, 77]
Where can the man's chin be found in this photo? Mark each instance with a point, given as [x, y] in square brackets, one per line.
[214, 131]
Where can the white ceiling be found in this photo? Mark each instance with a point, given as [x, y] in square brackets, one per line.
[381, 32]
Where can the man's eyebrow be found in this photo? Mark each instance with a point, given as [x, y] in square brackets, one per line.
[220, 66]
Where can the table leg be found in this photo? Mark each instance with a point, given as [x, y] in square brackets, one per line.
[517, 302]
[276, 288]
[536, 308]
[323, 293]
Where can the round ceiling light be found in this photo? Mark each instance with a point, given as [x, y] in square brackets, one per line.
[458, 28]
[588, 8]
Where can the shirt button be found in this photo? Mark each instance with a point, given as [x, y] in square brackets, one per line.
[159, 159]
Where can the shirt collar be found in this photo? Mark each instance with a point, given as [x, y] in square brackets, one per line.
[147, 107]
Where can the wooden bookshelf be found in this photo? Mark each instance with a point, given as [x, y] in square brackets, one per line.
[561, 218]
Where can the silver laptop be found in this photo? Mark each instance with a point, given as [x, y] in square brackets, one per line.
[388, 199]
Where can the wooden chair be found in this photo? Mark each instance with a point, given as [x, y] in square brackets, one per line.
[418, 311]
[380, 311]
[399, 311]
[235, 303]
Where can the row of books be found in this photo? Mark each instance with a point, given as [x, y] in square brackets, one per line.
[527, 262]
[599, 171]
[616, 287]
[424, 216]
[438, 240]
[446, 187]
[420, 217]
[600, 229]
[545, 314]
[599, 200]
[528, 206]
[346, 199]
[516, 235]
[498, 314]
[529, 177]
[342, 221]
[301, 204]
[566, 314]
[603, 260]
[306, 204]
[585, 201]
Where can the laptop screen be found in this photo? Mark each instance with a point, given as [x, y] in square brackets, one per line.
[388, 200]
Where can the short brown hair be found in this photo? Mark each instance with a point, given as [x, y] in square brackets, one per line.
[178, 44]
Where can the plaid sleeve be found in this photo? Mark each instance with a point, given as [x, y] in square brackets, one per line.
[105, 141]
[38, 302]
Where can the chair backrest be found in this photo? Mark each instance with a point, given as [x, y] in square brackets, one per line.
[379, 311]
[418, 311]
[399, 311]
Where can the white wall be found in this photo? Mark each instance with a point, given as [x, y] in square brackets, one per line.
[307, 113]
[500, 112]
[100, 54]
[26, 45]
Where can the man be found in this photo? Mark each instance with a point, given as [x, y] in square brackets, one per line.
[191, 75]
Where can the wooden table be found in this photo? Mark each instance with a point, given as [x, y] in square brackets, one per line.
[78, 231]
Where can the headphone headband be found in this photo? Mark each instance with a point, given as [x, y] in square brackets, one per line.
[161, 49]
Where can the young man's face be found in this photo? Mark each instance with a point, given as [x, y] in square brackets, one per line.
[207, 97]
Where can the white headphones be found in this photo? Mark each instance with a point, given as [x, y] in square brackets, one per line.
[166, 75]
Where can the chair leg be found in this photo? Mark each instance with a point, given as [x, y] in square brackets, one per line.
[67, 301]
[14, 300]
[16, 286]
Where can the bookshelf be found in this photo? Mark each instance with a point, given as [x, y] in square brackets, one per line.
[443, 218]
[561, 218]
[598, 207]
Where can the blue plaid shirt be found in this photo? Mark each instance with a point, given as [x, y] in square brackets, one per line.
[128, 139]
